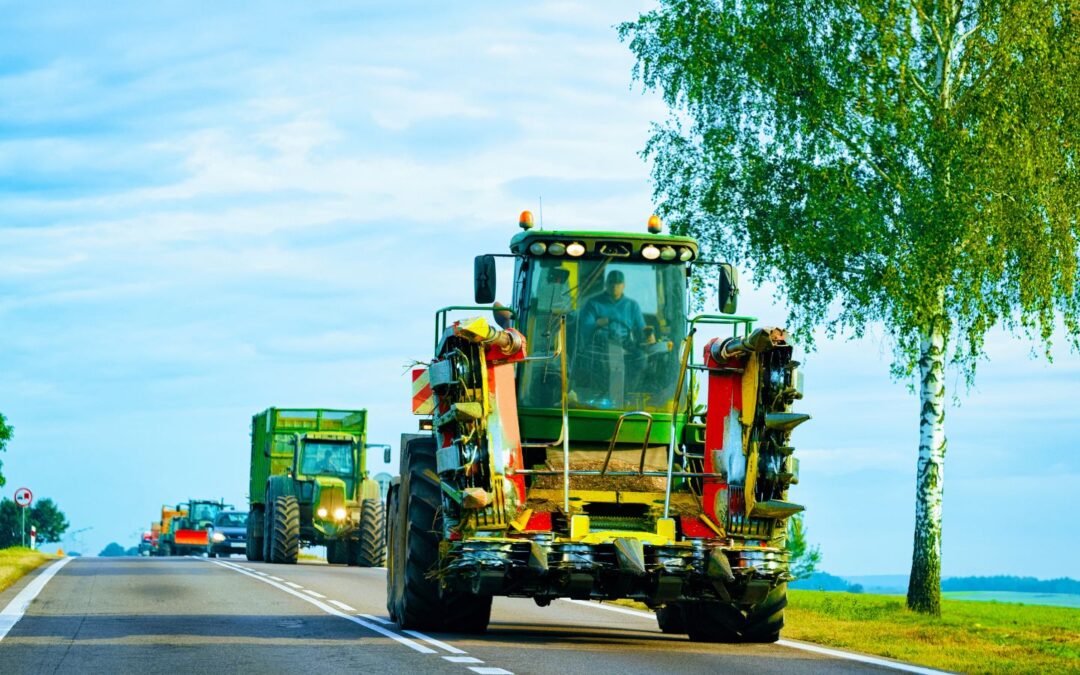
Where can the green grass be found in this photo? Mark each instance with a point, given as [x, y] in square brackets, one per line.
[17, 561]
[970, 637]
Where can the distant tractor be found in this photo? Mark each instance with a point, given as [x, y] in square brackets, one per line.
[309, 486]
[189, 531]
[606, 463]
[164, 544]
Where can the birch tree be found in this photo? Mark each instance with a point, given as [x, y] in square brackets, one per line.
[911, 163]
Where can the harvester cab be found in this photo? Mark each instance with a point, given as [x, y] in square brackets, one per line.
[309, 485]
[586, 466]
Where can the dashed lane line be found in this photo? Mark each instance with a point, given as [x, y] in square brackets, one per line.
[456, 655]
[411, 644]
[791, 644]
[17, 607]
[432, 641]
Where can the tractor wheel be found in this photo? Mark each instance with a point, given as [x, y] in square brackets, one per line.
[337, 552]
[166, 550]
[393, 554]
[285, 535]
[765, 620]
[253, 543]
[421, 604]
[370, 551]
[723, 622]
[670, 618]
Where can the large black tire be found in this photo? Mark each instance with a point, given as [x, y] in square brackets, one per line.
[285, 533]
[337, 552]
[253, 542]
[670, 618]
[723, 622]
[393, 553]
[370, 551]
[419, 602]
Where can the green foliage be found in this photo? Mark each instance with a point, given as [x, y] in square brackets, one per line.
[804, 558]
[880, 160]
[43, 514]
[6, 432]
[113, 550]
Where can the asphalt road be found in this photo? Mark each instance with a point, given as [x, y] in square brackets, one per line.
[181, 615]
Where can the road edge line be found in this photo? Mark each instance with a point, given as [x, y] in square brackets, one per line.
[14, 611]
[411, 644]
[791, 644]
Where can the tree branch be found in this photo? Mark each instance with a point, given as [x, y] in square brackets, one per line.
[851, 145]
[917, 6]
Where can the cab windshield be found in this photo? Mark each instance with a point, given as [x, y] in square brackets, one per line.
[321, 457]
[203, 513]
[231, 519]
[624, 323]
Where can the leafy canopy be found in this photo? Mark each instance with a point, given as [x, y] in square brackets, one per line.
[912, 162]
[5, 436]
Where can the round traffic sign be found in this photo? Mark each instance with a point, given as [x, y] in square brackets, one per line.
[23, 497]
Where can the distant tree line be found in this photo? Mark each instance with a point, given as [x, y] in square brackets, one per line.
[823, 581]
[1012, 584]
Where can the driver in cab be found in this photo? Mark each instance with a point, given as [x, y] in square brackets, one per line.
[614, 313]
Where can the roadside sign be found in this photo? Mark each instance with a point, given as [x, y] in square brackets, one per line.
[23, 497]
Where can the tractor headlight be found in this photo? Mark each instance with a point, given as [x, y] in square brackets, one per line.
[667, 253]
[685, 254]
[575, 249]
[339, 513]
[321, 512]
[650, 252]
[557, 248]
[217, 537]
[539, 248]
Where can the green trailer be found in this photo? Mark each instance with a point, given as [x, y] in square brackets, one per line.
[309, 486]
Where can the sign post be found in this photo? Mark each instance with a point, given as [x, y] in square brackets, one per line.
[23, 497]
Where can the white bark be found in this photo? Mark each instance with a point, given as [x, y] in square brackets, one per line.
[924, 592]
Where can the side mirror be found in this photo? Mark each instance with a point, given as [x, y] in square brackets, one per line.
[728, 290]
[484, 279]
[386, 455]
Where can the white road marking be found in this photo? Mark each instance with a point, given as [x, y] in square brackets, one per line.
[313, 593]
[805, 646]
[342, 605]
[483, 670]
[385, 622]
[432, 641]
[462, 659]
[275, 578]
[411, 644]
[289, 583]
[861, 658]
[17, 607]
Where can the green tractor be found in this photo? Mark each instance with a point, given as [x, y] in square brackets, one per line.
[189, 531]
[309, 486]
[612, 459]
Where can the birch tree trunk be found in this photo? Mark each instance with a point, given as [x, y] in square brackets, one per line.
[924, 586]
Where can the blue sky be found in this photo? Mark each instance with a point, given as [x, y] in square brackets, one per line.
[205, 211]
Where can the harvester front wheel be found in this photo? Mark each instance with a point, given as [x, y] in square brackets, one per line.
[723, 622]
[370, 551]
[285, 532]
[420, 603]
[253, 543]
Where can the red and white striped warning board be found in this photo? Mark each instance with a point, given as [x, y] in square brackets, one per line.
[423, 401]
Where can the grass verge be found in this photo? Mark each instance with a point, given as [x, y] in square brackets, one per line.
[969, 637]
[17, 561]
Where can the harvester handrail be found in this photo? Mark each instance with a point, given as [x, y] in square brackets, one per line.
[615, 438]
[440, 316]
[594, 472]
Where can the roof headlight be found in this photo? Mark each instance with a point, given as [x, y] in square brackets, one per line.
[575, 249]
[667, 253]
[321, 512]
[650, 252]
[557, 248]
[538, 248]
[685, 254]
